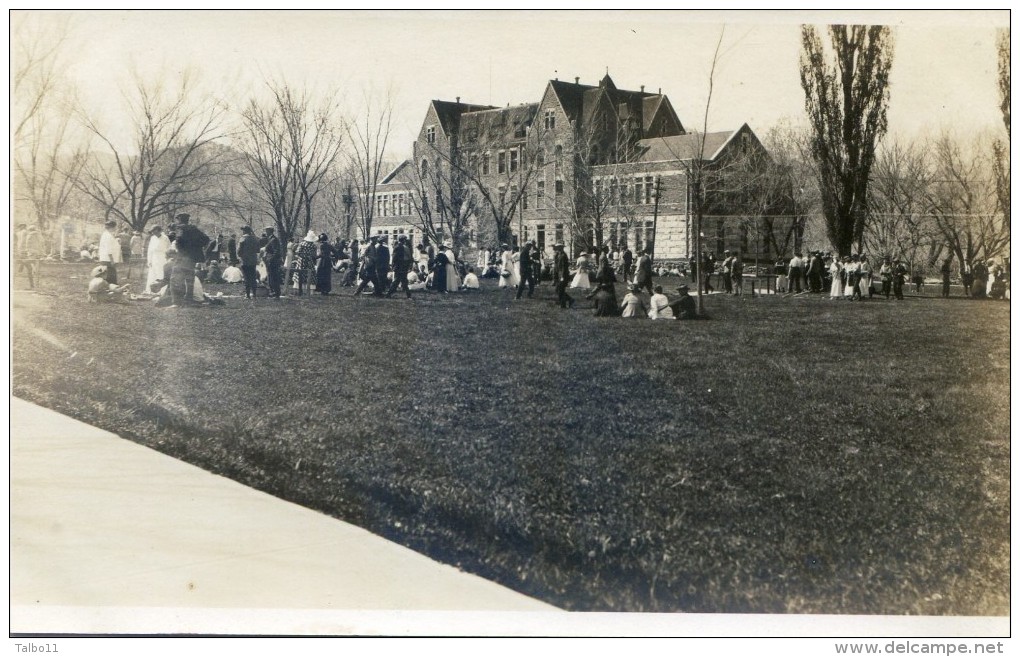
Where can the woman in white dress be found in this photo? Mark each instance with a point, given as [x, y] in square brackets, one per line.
[159, 244]
[581, 281]
[508, 276]
[452, 277]
[836, 290]
[864, 286]
[851, 267]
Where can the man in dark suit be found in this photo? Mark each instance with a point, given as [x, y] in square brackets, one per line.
[368, 260]
[561, 276]
[527, 270]
[628, 263]
[402, 262]
[644, 272]
[684, 307]
[382, 267]
[191, 243]
[273, 257]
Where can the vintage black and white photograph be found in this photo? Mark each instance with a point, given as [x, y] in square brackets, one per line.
[393, 322]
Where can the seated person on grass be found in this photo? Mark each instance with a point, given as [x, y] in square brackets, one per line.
[414, 282]
[471, 280]
[232, 274]
[101, 291]
[213, 274]
[605, 301]
[684, 307]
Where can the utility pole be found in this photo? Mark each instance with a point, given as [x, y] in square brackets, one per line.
[655, 217]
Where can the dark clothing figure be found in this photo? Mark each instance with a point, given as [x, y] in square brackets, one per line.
[561, 278]
[628, 264]
[367, 272]
[402, 262]
[232, 250]
[323, 268]
[980, 284]
[439, 272]
[708, 263]
[191, 243]
[248, 252]
[684, 308]
[899, 279]
[946, 270]
[382, 269]
[967, 278]
[274, 262]
[527, 271]
[814, 273]
[644, 273]
[737, 275]
[605, 302]
[727, 274]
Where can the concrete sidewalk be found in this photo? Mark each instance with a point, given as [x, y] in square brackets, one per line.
[101, 526]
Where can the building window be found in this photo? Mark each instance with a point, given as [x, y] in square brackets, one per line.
[720, 238]
[540, 236]
[612, 190]
[649, 189]
[400, 204]
[430, 134]
[559, 153]
[424, 169]
[550, 119]
[386, 206]
[524, 199]
[514, 155]
[486, 163]
[540, 157]
[559, 233]
[513, 193]
[624, 192]
[559, 187]
[501, 162]
[520, 131]
[540, 195]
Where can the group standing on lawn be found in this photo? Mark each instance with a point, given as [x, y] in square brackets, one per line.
[182, 258]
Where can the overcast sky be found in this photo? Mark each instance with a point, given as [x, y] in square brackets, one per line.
[944, 70]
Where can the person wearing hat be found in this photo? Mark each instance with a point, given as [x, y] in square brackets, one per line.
[727, 272]
[529, 254]
[796, 273]
[273, 259]
[561, 275]
[899, 272]
[605, 301]
[323, 265]
[110, 253]
[402, 263]
[885, 273]
[643, 277]
[134, 251]
[190, 244]
[248, 254]
[100, 288]
[684, 307]
[632, 306]
[382, 267]
[155, 259]
[367, 271]
[628, 262]
[304, 261]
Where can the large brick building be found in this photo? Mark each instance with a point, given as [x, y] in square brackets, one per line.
[585, 165]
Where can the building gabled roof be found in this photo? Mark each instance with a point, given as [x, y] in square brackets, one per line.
[500, 118]
[449, 113]
[391, 176]
[580, 101]
[684, 147]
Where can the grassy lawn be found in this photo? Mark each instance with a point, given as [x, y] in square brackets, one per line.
[791, 455]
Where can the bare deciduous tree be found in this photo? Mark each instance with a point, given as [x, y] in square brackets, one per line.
[48, 152]
[443, 200]
[291, 145]
[367, 139]
[166, 164]
[846, 104]
[962, 199]
[900, 222]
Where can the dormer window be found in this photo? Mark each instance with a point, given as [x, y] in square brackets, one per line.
[430, 134]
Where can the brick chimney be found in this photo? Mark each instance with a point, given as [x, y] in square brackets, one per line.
[577, 80]
[642, 88]
[458, 100]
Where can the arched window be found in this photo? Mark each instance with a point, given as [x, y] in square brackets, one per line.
[424, 169]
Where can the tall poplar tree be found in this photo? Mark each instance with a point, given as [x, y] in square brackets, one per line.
[847, 93]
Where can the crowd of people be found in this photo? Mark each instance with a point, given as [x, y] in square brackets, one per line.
[177, 262]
